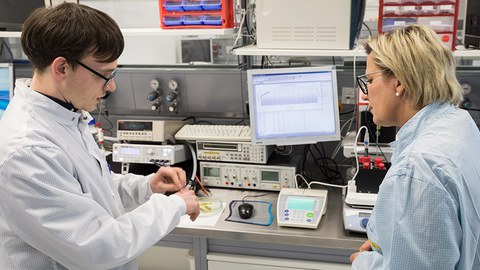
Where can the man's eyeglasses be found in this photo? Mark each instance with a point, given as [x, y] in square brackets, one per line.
[107, 79]
[363, 81]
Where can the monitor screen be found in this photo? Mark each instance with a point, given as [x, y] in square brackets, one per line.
[196, 50]
[290, 106]
[14, 12]
[6, 86]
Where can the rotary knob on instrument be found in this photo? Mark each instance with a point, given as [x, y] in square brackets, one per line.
[172, 84]
[155, 84]
[171, 96]
[157, 91]
[173, 107]
[155, 106]
[153, 95]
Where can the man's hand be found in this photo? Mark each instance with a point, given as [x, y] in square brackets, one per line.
[168, 179]
[193, 208]
[365, 247]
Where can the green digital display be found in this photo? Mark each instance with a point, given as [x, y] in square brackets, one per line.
[300, 203]
[211, 172]
[270, 176]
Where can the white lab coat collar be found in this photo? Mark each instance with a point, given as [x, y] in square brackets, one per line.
[56, 111]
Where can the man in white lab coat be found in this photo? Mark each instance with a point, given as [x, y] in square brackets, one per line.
[60, 206]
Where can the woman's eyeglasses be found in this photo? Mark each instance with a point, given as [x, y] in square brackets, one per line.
[362, 80]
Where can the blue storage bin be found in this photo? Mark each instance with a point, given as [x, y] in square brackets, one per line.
[192, 19]
[173, 20]
[212, 5]
[192, 5]
[212, 19]
[173, 5]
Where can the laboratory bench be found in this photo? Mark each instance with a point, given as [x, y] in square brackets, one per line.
[329, 243]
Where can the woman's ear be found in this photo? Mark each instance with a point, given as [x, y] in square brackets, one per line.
[399, 89]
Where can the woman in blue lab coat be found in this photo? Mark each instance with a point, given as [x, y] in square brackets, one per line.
[60, 206]
[427, 215]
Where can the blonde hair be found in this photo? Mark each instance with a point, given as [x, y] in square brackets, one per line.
[420, 62]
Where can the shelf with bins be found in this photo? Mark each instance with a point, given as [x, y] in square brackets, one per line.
[185, 14]
[440, 15]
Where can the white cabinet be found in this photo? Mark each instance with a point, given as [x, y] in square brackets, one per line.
[221, 261]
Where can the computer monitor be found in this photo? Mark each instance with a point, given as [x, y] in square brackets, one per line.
[196, 50]
[291, 106]
[13, 13]
[6, 86]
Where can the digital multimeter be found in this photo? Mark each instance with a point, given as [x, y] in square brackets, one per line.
[301, 207]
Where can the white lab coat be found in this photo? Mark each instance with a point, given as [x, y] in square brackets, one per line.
[60, 207]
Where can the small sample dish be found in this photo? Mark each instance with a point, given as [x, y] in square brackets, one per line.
[209, 207]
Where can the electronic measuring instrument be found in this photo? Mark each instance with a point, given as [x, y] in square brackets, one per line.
[357, 208]
[247, 176]
[145, 153]
[356, 219]
[301, 207]
[243, 152]
[148, 130]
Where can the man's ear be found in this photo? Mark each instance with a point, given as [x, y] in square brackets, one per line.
[60, 68]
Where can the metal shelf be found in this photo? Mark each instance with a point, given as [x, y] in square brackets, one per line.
[250, 49]
[129, 32]
[359, 52]
[467, 53]
[253, 50]
[176, 32]
[10, 34]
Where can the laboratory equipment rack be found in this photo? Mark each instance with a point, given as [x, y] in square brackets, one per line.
[440, 15]
[196, 14]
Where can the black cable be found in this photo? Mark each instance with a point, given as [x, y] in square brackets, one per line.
[195, 122]
[331, 175]
[323, 155]
[459, 42]
[243, 45]
[342, 164]
[110, 122]
[368, 28]
[470, 109]
[202, 121]
[349, 112]
[269, 62]
[253, 196]
[107, 132]
[304, 160]
[374, 136]
[188, 118]
[241, 121]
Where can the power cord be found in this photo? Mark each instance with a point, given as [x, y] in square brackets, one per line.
[316, 182]
[253, 196]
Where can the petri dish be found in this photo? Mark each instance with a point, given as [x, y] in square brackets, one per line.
[209, 206]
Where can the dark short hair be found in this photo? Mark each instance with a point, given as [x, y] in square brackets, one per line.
[72, 31]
